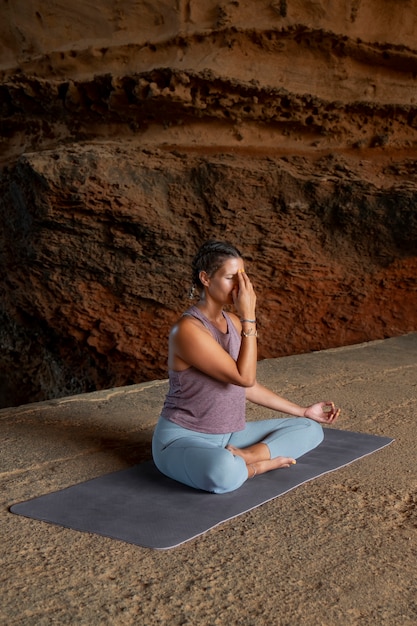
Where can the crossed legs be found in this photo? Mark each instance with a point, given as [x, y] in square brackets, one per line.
[277, 443]
[222, 463]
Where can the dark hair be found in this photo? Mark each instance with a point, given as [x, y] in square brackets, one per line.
[210, 257]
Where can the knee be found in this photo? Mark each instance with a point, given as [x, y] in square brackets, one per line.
[226, 476]
[315, 431]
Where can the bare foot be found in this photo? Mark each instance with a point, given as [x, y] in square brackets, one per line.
[251, 454]
[261, 467]
[258, 459]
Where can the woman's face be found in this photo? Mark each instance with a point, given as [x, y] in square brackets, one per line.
[221, 285]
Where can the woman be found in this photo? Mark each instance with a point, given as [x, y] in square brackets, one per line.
[202, 438]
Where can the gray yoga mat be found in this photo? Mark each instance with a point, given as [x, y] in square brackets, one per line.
[141, 506]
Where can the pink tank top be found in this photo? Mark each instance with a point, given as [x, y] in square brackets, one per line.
[201, 403]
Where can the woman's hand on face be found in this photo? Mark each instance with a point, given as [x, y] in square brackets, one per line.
[244, 297]
[322, 412]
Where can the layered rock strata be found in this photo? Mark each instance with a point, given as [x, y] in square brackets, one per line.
[288, 128]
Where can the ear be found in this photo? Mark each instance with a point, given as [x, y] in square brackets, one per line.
[204, 279]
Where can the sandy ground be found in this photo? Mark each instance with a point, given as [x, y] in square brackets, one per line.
[339, 550]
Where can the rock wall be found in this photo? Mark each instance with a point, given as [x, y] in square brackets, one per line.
[131, 132]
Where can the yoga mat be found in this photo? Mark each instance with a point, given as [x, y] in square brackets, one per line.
[141, 506]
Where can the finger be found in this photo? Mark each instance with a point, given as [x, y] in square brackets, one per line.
[240, 278]
[243, 277]
[335, 415]
[244, 274]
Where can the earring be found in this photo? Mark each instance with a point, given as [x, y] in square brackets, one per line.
[192, 293]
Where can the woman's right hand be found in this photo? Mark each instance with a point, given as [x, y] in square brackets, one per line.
[244, 297]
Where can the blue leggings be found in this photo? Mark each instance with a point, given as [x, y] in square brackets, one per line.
[201, 461]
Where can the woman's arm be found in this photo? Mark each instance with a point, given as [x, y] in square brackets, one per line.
[258, 394]
[323, 412]
[192, 345]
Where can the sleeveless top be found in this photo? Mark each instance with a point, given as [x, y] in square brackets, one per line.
[199, 402]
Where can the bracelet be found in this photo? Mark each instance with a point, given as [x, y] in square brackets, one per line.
[249, 321]
[254, 471]
[251, 333]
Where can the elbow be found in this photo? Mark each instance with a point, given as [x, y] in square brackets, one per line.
[248, 382]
